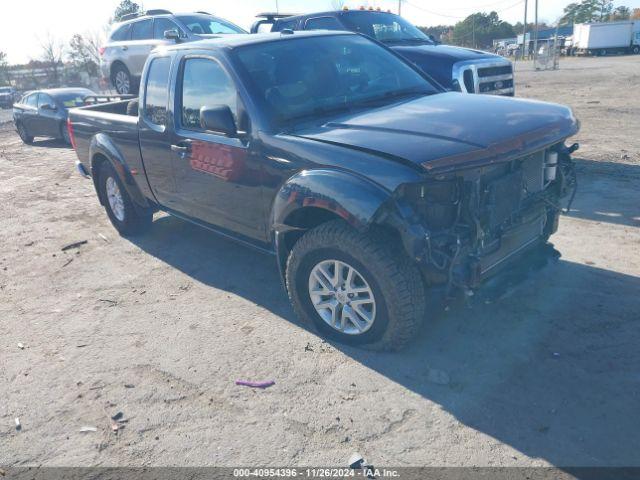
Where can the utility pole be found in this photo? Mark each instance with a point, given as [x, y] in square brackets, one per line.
[473, 30]
[277, 9]
[524, 31]
[399, 7]
[535, 37]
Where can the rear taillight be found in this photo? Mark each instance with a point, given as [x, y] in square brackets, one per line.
[72, 136]
[101, 51]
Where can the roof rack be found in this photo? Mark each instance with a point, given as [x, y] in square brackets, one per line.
[129, 16]
[158, 11]
[272, 15]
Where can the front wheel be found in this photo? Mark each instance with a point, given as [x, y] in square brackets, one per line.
[636, 49]
[354, 288]
[117, 202]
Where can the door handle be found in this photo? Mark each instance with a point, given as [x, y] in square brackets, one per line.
[180, 148]
[124, 47]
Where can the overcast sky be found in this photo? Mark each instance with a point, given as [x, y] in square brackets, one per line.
[23, 23]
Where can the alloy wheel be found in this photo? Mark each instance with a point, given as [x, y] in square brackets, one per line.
[123, 83]
[114, 196]
[342, 297]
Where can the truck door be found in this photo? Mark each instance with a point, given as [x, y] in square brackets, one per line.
[154, 130]
[217, 178]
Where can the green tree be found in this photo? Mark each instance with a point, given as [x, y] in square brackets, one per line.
[480, 29]
[4, 68]
[621, 13]
[125, 8]
[588, 11]
[82, 56]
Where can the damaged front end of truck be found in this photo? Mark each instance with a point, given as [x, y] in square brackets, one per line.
[463, 225]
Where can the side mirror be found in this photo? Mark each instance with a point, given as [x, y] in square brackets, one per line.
[218, 119]
[172, 34]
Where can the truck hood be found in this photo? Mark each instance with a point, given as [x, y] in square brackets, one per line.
[438, 60]
[450, 130]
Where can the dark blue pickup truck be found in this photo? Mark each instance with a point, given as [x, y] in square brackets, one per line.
[370, 184]
[455, 68]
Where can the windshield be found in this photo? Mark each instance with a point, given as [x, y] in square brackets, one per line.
[326, 74]
[385, 27]
[5, 89]
[72, 99]
[205, 25]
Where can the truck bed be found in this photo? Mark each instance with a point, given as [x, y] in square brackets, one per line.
[109, 125]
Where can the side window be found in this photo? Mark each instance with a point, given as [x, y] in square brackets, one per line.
[161, 25]
[157, 91]
[32, 100]
[142, 30]
[122, 33]
[323, 23]
[205, 83]
[43, 99]
[285, 24]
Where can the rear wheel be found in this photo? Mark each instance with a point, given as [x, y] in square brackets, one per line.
[354, 288]
[24, 134]
[120, 209]
[122, 80]
[635, 49]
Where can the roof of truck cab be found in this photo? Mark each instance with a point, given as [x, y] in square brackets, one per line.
[241, 39]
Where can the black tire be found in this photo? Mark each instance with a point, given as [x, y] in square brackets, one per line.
[122, 80]
[131, 221]
[24, 134]
[635, 49]
[64, 134]
[395, 281]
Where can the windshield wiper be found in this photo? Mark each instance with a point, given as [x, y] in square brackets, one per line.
[393, 95]
[320, 112]
[409, 40]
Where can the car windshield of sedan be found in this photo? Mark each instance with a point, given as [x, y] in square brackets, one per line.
[385, 27]
[204, 25]
[73, 99]
[327, 74]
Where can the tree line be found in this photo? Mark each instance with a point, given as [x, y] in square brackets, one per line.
[82, 51]
[480, 29]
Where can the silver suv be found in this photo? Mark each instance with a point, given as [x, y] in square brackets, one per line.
[131, 41]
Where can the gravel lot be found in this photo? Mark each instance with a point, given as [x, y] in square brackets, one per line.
[160, 327]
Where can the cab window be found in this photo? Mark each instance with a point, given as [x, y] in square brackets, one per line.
[205, 83]
[323, 23]
[142, 30]
[157, 91]
[285, 24]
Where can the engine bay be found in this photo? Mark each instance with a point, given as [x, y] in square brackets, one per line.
[477, 219]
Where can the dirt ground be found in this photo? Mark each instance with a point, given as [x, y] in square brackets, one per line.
[160, 327]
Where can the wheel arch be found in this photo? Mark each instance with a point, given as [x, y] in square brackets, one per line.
[102, 150]
[113, 65]
[313, 197]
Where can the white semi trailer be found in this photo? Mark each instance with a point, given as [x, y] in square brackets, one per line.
[606, 38]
